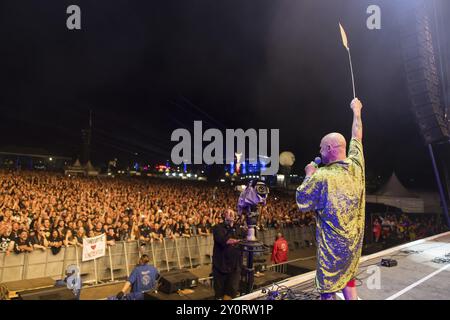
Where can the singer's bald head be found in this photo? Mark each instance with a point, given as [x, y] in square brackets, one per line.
[334, 139]
[333, 147]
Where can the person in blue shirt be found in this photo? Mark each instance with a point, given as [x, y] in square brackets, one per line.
[143, 278]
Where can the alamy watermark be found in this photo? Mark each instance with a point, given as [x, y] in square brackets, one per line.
[213, 152]
[374, 280]
[73, 21]
[374, 20]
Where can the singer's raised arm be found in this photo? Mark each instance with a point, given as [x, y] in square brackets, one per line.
[357, 128]
[355, 152]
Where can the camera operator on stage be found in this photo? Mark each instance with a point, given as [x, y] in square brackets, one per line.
[227, 257]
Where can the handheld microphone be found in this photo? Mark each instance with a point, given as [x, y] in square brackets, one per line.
[317, 161]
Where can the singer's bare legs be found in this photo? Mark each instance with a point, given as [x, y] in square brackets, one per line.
[328, 296]
[350, 293]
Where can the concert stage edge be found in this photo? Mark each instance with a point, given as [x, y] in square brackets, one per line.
[418, 270]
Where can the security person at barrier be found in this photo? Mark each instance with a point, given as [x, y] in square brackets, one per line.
[143, 278]
[280, 249]
[227, 258]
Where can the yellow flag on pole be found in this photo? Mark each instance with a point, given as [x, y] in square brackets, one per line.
[344, 37]
[345, 43]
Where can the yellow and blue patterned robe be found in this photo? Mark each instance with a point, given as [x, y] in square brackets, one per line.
[336, 192]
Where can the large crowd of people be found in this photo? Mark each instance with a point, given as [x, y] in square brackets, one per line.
[42, 210]
[392, 228]
[46, 211]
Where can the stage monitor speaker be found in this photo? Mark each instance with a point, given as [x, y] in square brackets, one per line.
[55, 293]
[422, 75]
[389, 263]
[171, 282]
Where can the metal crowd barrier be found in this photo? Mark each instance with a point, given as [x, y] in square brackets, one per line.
[121, 258]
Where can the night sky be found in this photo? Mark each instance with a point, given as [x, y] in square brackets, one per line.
[146, 68]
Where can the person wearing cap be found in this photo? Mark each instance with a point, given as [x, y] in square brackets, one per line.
[143, 278]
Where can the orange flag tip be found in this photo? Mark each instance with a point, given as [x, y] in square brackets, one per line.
[344, 36]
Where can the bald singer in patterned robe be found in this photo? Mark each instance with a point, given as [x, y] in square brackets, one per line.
[336, 192]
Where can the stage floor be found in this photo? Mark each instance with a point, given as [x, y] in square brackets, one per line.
[422, 273]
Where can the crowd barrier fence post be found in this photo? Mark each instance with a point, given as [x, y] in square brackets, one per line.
[110, 263]
[165, 254]
[46, 261]
[153, 252]
[138, 247]
[64, 262]
[201, 258]
[95, 271]
[3, 267]
[25, 266]
[126, 257]
[189, 251]
[76, 258]
[178, 252]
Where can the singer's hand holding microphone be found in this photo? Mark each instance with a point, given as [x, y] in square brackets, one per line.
[311, 168]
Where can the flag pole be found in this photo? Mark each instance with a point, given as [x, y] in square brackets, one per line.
[351, 70]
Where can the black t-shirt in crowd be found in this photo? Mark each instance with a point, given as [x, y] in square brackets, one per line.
[15, 234]
[36, 240]
[185, 230]
[124, 235]
[109, 237]
[55, 250]
[33, 223]
[79, 238]
[145, 231]
[202, 227]
[157, 232]
[18, 242]
[176, 229]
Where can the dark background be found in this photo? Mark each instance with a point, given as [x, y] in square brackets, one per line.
[146, 68]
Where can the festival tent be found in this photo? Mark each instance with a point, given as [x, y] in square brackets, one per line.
[75, 169]
[394, 194]
[90, 170]
[78, 169]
